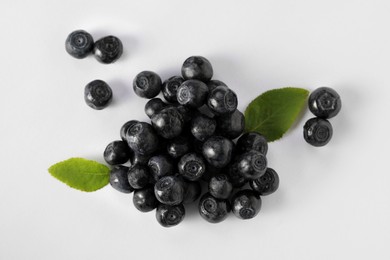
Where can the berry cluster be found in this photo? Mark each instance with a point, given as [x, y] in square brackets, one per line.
[189, 144]
[324, 103]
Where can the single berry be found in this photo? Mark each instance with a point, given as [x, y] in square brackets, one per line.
[266, 184]
[246, 204]
[179, 146]
[147, 84]
[317, 131]
[217, 150]
[192, 191]
[97, 94]
[154, 106]
[192, 93]
[169, 216]
[118, 179]
[79, 44]
[160, 165]
[169, 190]
[117, 152]
[220, 186]
[191, 166]
[222, 100]
[235, 176]
[251, 165]
[252, 141]
[212, 84]
[212, 209]
[142, 138]
[203, 127]
[108, 49]
[144, 199]
[231, 125]
[197, 67]
[168, 123]
[139, 176]
[125, 127]
[170, 87]
[324, 102]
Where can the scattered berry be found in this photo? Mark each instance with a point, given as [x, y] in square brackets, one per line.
[317, 131]
[79, 44]
[324, 102]
[97, 94]
[147, 84]
[197, 67]
[108, 49]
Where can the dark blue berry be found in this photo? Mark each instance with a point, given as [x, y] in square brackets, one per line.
[118, 179]
[317, 131]
[212, 209]
[108, 49]
[169, 216]
[220, 186]
[191, 166]
[117, 152]
[140, 159]
[246, 204]
[217, 150]
[145, 200]
[235, 176]
[169, 122]
[97, 94]
[142, 138]
[154, 106]
[169, 190]
[197, 67]
[266, 184]
[222, 100]
[252, 141]
[192, 191]
[202, 127]
[147, 84]
[139, 176]
[79, 44]
[192, 93]
[231, 125]
[170, 87]
[125, 127]
[160, 165]
[324, 102]
[212, 84]
[251, 165]
[179, 146]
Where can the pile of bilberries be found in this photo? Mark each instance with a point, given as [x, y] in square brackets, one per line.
[190, 141]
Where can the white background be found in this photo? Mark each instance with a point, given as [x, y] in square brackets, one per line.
[333, 202]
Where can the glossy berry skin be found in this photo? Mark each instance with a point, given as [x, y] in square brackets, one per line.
[125, 127]
[212, 84]
[212, 209]
[266, 184]
[192, 191]
[179, 146]
[139, 176]
[317, 131]
[140, 159]
[252, 141]
[154, 106]
[222, 100]
[142, 138]
[97, 94]
[169, 190]
[160, 165]
[117, 152]
[197, 67]
[217, 150]
[220, 187]
[246, 204]
[191, 166]
[144, 199]
[108, 49]
[169, 216]
[168, 123]
[79, 44]
[324, 102]
[203, 127]
[118, 179]
[252, 165]
[170, 87]
[235, 176]
[231, 125]
[192, 93]
[147, 84]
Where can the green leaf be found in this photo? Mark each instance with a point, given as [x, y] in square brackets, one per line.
[81, 174]
[273, 112]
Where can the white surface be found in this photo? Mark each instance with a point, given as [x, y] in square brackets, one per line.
[333, 202]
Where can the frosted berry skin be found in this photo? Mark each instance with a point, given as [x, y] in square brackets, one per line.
[317, 131]
[117, 152]
[251, 165]
[179, 146]
[246, 204]
[191, 166]
[139, 176]
[192, 93]
[79, 44]
[266, 184]
[170, 87]
[169, 190]
[324, 102]
[192, 191]
[97, 94]
[144, 199]
[169, 216]
[220, 187]
[212, 84]
[197, 67]
[212, 209]
[168, 123]
[118, 179]
[154, 106]
[231, 125]
[108, 49]
[125, 127]
[142, 138]
[147, 84]
[160, 165]
[217, 150]
[203, 127]
[222, 100]
[252, 141]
